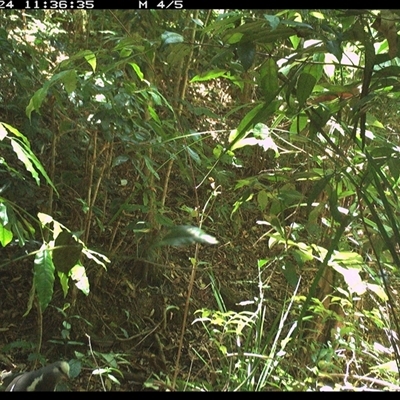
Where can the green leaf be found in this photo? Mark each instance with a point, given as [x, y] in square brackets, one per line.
[334, 47]
[305, 86]
[90, 57]
[394, 167]
[193, 155]
[25, 154]
[67, 252]
[69, 81]
[36, 101]
[25, 159]
[6, 236]
[317, 69]
[43, 277]
[120, 160]
[317, 189]
[64, 282]
[184, 235]
[212, 74]
[258, 114]
[235, 38]
[269, 81]
[137, 70]
[246, 52]
[263, 199]
[273, 20]
[378, 290]
[289, 271]
[149, 165]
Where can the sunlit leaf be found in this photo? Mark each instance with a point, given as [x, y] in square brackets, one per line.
[6, 236]
[184, 235]
[137, 70]
[90, 57]
[78, 274]
[212, 74]
[25, 159]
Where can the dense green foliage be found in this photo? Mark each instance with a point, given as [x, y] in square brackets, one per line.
[116, 126]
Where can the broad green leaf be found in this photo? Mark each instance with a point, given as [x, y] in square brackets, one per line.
[43, 277]
[263, 199]
[36, 101]
[273, 20]
[305, 86]
[335, 47]
[299, 124]
[67, 252]
[289, 271]
[23, 150]
[235, 38]
[156, 98]
[69, 81]
[304, 252]
[6, 235]
[347, 258]
[25, 159]
[24, 153]
[246, 52]
[269, 81]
